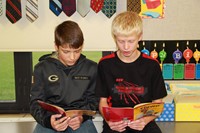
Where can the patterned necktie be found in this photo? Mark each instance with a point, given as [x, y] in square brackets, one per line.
[32, 10]
[109, 7]
[55, 6]
[134, 5]
[69, 7]
[13, 10]
[1, 8]
[83, 7]
[97, 5]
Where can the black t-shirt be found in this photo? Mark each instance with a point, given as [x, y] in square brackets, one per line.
[128, 84]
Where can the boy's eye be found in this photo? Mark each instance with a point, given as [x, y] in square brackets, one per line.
[131, 41]
[120, 41]
[65, 52]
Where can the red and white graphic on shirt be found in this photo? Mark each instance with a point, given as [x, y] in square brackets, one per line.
[128, 90]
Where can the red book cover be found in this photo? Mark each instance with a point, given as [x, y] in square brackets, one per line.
[128, 113]
[117, 114]
[58, 110]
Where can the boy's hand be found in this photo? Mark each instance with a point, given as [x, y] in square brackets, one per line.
[76, 122]
[119, 126]
[59, 123]
[137, 124]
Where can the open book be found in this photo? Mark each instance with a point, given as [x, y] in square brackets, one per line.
[59, 110]
[128, 113]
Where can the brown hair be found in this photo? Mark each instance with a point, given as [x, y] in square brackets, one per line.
[69, 33]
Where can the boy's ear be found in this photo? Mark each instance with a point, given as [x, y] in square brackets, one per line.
[56, 47]
[140, 37]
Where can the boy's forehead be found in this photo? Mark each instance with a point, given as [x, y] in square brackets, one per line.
[130, 36]
[69, 47]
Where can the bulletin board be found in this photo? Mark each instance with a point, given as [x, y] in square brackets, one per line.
[181, 22]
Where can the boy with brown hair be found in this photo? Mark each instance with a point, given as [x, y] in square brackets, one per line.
[66, 79]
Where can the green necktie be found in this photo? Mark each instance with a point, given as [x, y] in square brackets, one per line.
[109, 7]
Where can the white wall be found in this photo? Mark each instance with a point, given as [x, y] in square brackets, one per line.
[181, 22]
[38, 36]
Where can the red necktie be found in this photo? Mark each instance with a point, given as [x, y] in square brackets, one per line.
[96, 5]
[13, 10]
[69, 7]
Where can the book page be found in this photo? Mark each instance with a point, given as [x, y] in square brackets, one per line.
[148, 109]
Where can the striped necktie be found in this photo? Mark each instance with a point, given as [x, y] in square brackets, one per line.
[32, 10]
[69, 7]
[109, 7]
[55, 6]
[13, 10]
[134, 5]
[96, 5]
[83, 7]
[1, 8]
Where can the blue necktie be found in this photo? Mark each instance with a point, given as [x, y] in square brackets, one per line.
[55, 6]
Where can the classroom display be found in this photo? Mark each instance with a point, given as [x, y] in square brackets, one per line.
[183, 63]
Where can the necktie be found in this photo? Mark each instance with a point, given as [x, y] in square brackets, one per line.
[83, 7]
[55, 6]
[13, 10]
[134, 5]
[97, 5]
[32, 10]
[69, 7]
[109, 7]
[1, 8]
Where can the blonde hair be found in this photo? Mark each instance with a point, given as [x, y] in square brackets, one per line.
[127, 23]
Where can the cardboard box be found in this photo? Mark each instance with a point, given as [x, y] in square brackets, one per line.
[168, 113]
[187, 107]
[187, 101]
[180, 88]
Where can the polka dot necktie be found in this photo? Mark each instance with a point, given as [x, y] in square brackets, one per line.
[96, 5]
[109, 7]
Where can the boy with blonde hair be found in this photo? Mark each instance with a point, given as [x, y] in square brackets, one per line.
[138, 76]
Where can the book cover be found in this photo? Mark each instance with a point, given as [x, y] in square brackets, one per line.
[58, 110]
[128, 113]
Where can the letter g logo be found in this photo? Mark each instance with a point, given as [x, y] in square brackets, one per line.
[53, 78]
